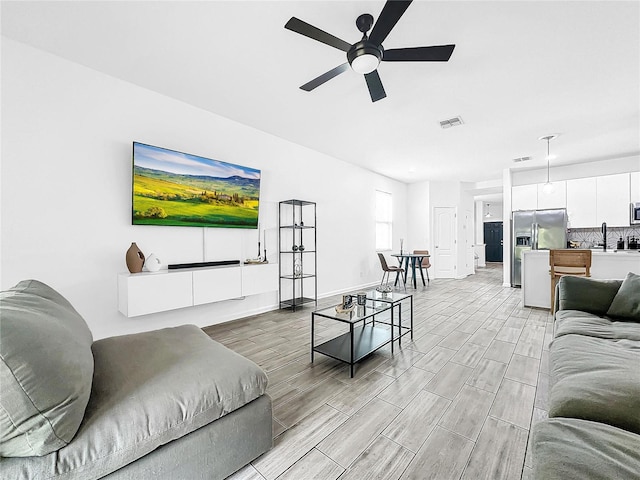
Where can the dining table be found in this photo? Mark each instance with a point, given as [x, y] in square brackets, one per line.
[415, 259]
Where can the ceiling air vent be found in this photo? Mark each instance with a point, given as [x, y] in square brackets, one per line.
[452, 122]
[521, 159]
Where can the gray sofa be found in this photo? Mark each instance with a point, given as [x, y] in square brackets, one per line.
[593, 430]
[165, 404]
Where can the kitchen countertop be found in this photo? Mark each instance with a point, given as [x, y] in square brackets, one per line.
[536, 282]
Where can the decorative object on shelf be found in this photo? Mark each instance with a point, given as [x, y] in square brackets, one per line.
[264, 246]
[341, 309]
[297, 268]
[361, 298]
[152, 263]
[301, 248]
[258, 239]
[294, 248]
[548, 187]
[401, 245]
[386, 288]
[347, 304]
[134, 258]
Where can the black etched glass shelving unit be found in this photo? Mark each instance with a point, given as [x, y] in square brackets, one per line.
[297, 255]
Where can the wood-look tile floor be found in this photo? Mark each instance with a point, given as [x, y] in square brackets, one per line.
[456, 402]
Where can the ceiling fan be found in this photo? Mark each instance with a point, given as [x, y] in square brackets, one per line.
[365, 56]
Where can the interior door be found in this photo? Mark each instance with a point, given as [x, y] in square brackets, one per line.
[493, 232]
[444, 264]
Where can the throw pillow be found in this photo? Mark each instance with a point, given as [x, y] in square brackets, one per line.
[626, 303]
[46, 370]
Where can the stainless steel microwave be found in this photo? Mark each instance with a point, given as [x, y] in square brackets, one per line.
[634, 218]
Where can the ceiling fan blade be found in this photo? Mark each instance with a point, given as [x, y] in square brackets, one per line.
[303, 28]
[376, 90]
[325, 77]
[436, 53]
[391, 13]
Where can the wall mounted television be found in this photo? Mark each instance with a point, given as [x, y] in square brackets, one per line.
[178, 189]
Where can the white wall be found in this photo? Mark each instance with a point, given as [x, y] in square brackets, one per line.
[66, 191]
[419, 211]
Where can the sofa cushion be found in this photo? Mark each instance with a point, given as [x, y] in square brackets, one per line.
[626, 303]
[596, 379]
[586, 294]
[571, 449]
[582, 323]
[46, 369]
[149, 389]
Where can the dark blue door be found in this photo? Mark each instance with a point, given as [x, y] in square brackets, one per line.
[493, 241]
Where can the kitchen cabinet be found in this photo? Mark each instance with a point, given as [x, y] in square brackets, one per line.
[557, 198]
[524, 197]
[635, 186]
[612, 200]
[581, 202]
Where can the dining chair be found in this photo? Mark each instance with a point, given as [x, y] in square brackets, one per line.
[567, 262]
[386, 270]
[424, 263]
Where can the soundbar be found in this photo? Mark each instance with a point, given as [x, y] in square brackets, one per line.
[176, 266]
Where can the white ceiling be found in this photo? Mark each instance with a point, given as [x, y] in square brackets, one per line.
[520, 70]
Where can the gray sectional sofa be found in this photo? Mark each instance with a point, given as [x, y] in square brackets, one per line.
[165, 404]
[593, 430]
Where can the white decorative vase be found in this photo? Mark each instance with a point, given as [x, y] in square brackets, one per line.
[152, 263]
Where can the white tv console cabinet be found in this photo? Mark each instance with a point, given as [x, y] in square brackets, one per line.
[145, 292]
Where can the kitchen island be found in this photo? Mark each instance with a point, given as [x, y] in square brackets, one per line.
[536, 281]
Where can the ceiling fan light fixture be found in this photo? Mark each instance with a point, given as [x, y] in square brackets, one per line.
[364, 64]
[364, 57]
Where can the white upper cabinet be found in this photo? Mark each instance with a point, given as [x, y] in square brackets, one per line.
[635, 186]
[612, 206]
[557, 198]
[524, 197]
[581, 202]
[589, 201]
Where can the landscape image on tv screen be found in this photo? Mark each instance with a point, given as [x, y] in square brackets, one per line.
[177, 189]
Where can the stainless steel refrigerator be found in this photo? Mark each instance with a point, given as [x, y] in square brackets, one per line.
[535, 230]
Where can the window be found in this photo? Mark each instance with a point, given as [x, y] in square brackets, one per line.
[384, 220]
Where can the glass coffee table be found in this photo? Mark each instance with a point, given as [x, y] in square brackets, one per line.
[364, 336]
[395, 300]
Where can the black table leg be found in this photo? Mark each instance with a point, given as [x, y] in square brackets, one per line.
[351, 335]
[413, 271]
[422, 273]
[411, 300]
[313, 316]
[406, 269]
[399, 323]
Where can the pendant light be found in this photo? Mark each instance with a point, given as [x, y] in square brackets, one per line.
[548, 187]
[488, 214]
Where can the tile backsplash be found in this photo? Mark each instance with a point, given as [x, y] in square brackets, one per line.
[592, 237]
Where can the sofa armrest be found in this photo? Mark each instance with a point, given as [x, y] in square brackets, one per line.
[586, 294]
